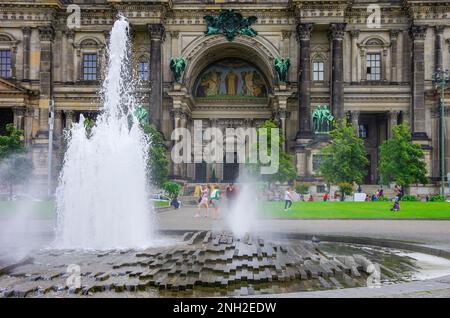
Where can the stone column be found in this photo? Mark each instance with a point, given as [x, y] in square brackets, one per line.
[355, 121]
[355, 56]
[280, 116]
[69, 118]
[156, 80]
[392, 121]
[439, 30]
[336, 35]
[418, 33]
[394, 54]
[28, 125]
[180, 118]
[26, 53]
[69, 56]
[19, 113]
[304, 81]
[58, 126]
[407, 56]
[46, 35]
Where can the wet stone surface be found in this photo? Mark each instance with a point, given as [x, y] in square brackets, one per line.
[200, 264]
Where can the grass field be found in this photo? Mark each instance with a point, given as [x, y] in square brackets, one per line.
[319, 210]
[358, 210]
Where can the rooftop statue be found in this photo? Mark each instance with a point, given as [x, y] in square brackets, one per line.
[230, 24]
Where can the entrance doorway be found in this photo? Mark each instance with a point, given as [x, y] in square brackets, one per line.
[200, 172]
[6, 117]
[230, 168]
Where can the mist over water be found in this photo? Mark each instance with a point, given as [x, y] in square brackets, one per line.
[102, 197]
[242, 217]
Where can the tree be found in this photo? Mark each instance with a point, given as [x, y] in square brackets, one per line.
[11, 142]
[344, 160]
[157, 160]
[401, 161]
[15, 166]
[172, 189]
[286, 169]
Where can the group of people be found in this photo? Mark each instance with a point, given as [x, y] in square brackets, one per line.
[375, 196]
[212, 197]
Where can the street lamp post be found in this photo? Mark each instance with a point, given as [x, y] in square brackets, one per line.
[441, 78]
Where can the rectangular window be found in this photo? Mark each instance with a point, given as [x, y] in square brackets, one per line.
[318, 71]
[142, 71]
[5, 63]
[373, 62]
[90, 66]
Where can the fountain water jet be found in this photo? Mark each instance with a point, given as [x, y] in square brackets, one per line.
[102, 197]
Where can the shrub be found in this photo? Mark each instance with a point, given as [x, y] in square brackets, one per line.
[437, 198]
[302, 188]
[345, 187]
[172, 188]
[409, 197]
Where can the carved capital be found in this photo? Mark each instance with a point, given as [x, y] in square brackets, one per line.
[286, 34]
[418, 32]
[179, 113]
[439, 29]
[157, 31]
[174, 34]
[19, 111]
[26, 31]
[46, 33]
[336, 31]
[354, 34]
[304, 31]
[394, 34]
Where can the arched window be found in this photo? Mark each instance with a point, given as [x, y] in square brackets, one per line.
[373, 59]
[318, 68]
[90, 53]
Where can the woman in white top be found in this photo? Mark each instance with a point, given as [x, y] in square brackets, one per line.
[288, 199]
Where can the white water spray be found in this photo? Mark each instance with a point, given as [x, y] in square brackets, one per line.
[102, 197]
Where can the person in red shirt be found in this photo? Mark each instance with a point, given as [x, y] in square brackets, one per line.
[325, 197]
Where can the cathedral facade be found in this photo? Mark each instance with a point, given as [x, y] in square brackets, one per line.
[371, 62]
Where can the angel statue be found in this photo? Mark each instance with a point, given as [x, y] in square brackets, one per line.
[282, 68]
[177, 66]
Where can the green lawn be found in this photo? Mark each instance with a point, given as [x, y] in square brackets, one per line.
[358, 210]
